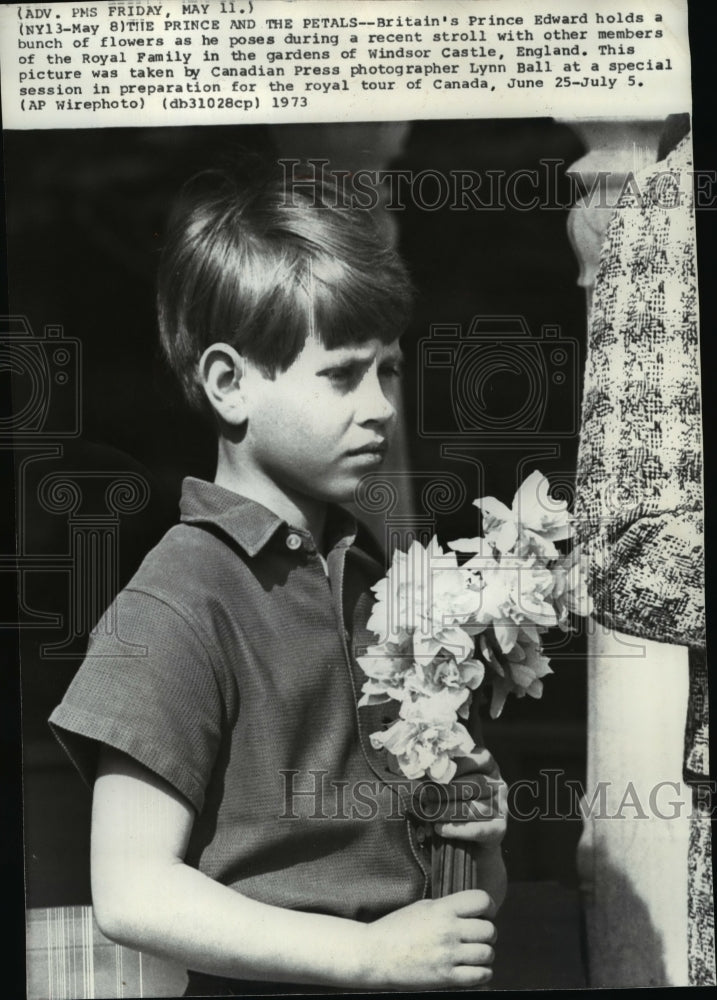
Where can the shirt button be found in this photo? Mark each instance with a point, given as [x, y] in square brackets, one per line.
[293, 542]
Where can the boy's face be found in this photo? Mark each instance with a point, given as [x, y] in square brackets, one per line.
[318, 427]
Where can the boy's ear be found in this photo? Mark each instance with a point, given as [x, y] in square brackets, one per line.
[221, 372]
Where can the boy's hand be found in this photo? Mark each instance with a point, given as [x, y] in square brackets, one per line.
[483, 817]
[479, 815]
[433, 943]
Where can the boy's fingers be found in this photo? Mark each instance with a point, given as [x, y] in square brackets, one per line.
[473, 930]
[468, 801]
[482, 809]
[471, 903]
[471, 975]
[489, 792]
[431, 801]
[488, 832]
[475, 954]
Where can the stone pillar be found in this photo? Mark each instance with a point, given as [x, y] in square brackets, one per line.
[632, 856]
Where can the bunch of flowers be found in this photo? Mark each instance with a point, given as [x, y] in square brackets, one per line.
[447, 628]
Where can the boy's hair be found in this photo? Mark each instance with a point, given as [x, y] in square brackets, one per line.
[260, 262]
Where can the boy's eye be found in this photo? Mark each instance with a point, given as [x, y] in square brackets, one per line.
[392, 369]
[343, 377]
[344, 374]
[351, 374]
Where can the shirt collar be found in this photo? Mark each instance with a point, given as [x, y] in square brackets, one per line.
[249, 523]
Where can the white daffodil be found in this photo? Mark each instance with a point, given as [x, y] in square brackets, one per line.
[427, 738]
[533, 523]
[431, 614]
[518, 672]
[385, 666]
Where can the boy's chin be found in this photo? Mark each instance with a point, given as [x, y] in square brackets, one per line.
[342, 496]
[341, 492]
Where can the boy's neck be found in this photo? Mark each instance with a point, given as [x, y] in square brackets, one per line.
[299, 511]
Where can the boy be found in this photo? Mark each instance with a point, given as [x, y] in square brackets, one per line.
[233, 829]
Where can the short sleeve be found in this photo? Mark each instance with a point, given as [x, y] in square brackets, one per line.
[147, 687]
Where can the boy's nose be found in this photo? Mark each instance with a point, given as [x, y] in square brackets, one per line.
[376, 406]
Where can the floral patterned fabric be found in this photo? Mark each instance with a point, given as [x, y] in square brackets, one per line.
[639, 490]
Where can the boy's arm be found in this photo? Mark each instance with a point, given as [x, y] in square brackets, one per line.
[146, 897]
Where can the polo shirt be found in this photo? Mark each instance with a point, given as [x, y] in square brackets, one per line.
[227, 666]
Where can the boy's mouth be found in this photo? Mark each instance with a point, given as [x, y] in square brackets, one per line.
[377, 449]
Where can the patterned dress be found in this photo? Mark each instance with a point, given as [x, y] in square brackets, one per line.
[639, 490]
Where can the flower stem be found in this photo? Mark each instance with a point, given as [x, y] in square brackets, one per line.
[454, 867]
